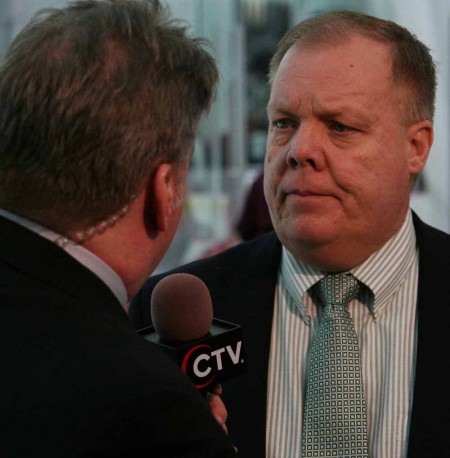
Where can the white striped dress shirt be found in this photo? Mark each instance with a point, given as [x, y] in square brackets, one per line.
[385, 321]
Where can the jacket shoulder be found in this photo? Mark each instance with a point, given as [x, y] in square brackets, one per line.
[257, 257]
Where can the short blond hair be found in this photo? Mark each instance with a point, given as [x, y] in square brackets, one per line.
[413, 68]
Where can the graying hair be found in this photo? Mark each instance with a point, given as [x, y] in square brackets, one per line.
[93, 97]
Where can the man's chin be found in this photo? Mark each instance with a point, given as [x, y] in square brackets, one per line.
[305, 234]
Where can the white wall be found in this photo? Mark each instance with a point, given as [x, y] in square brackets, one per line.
[430, 21]
[22, 10]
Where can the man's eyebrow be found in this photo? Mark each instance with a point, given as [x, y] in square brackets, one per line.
[281, 108]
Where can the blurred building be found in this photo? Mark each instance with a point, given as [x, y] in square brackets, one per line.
[231, 143]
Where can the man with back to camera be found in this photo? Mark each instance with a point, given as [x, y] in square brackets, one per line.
[344, 307]
[100, 104]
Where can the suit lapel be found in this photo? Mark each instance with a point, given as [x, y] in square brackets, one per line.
[248, 283]
[41, 259]
[430, 419]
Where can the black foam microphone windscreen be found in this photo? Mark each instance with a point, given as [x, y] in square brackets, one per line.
[181, 308]
[207, 349]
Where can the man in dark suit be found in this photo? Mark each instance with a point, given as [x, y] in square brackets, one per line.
[350, 128]
[100, 105]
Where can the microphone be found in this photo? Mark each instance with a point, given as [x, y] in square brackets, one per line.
[208, 350]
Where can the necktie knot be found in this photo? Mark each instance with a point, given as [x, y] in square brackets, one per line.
[338, 289]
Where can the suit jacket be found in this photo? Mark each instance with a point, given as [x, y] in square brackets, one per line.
[242, 283]
[75, 379]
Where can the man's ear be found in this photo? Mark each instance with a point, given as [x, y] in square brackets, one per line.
[163, 189]
[420, 137]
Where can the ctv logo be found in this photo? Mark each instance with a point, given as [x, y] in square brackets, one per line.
[204, 365]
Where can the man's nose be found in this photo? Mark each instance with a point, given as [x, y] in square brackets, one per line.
[307, 147]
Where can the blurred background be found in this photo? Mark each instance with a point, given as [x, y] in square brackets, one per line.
[231, 142]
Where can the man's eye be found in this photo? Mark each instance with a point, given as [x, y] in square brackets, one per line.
[282, 123]
[338, 127]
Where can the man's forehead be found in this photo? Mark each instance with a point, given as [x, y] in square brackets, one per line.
[354, 48]
[344, 67]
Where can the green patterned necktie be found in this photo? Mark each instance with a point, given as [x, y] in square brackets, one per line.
[334, 416]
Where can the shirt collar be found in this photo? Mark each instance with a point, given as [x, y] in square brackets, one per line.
[383, 272]
[78, 252]
[297, 278]
[386, 269]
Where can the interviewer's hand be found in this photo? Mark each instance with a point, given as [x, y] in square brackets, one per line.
[217, 406]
